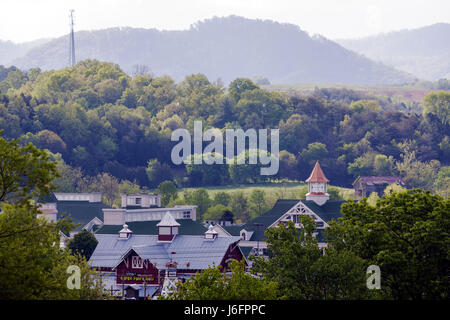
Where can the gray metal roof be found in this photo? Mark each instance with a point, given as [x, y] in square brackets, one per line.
[195, 250]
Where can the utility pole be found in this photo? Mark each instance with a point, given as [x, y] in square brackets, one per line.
[72, 41]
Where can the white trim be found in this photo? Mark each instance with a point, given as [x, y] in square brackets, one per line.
[301, 209]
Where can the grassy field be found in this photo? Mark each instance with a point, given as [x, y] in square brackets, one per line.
[274, 191]
[409, 92]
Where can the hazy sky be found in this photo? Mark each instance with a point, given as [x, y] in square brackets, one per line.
[24, 20]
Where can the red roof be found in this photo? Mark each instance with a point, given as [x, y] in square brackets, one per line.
[317, 174]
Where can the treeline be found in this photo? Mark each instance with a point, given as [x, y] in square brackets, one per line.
[102, 120]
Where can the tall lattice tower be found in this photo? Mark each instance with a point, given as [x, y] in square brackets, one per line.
[72, 41]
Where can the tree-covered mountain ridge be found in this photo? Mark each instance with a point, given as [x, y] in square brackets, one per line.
[424, 52]
[224, 48]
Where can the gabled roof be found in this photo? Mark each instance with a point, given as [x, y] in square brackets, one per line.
[379, 180]
[317, 174]
[328, 211]
[267, 219]
[245, 251]
[191, 252]
[233, 230]
[81, 211]
[187, 227]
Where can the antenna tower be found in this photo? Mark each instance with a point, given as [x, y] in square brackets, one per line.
[72, 41]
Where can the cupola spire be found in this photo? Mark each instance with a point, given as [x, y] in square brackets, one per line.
[317, 186]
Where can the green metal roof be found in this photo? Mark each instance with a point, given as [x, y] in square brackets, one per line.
[266, 219]
[233, 230]
[81, 211]
[328, 211]
[187, 227]
[50, 198]
[246, 250]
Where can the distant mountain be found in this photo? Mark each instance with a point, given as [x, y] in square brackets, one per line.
[424, 52]
[10, 51]
[224, 48]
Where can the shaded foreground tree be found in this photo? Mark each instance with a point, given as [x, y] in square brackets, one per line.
[301, 270]
[25, 172]
[212, 284]
[407, 235]
[32, 264]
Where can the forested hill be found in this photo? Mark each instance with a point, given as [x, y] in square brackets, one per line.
[424, 52]
[224, 48]
[9, 51]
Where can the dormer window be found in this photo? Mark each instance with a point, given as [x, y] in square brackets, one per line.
[137, 262]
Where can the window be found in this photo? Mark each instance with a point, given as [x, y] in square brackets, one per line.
[165, 230]
[186, 214]
[138, 200]
[137, 263]
[295, 218]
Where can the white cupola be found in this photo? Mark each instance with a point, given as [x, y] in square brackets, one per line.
[317, 186]
[167, 228]
[211, 234]
[125, 233]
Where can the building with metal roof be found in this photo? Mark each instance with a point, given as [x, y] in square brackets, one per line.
[143, 261]
[317, 205]
[364, 186]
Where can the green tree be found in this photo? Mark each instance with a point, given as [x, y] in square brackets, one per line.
[365, 105]
[442, 184]
[222, 198]
[212, 284]
[26, 171]
[158, 172]
[83, 243]
[239, 205]
[108, 186]
[301, 270]
[416, 173]
[168, 192]
[257, 201]
[216, 212]
[406, 235]
[316, 151]
[438, 103]
[200, 198]
[33, 266]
